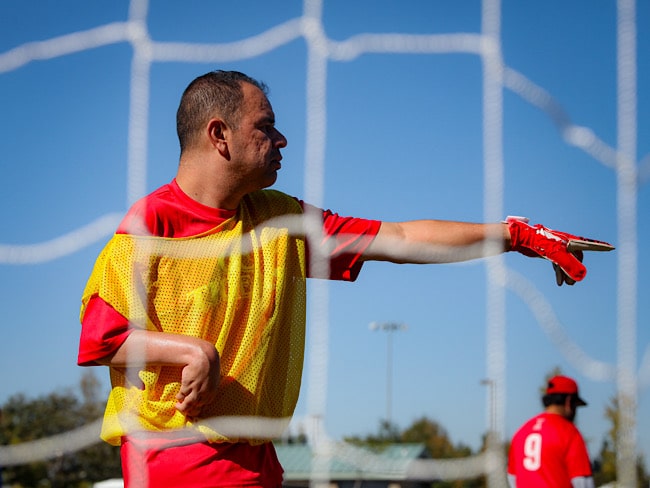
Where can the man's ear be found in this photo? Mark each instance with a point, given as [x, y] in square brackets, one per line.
[569, 403]
[217, 135]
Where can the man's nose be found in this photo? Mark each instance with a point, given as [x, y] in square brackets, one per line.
[280, 140]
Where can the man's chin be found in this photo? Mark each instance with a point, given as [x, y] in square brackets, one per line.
[271, 180]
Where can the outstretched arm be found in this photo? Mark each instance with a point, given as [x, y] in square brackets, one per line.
[198, 358]
[440, 241]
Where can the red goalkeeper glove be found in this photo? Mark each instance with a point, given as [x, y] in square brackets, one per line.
[539, 241]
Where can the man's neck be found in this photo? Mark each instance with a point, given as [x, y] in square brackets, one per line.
[207, 187]
[557, 410]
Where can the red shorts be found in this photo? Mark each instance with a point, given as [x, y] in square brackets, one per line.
[167, 463]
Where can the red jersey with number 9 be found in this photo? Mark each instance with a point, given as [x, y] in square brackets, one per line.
[548, 451]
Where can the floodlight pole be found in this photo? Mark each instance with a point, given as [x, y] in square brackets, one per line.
[388, 327]
[494, 448]
[491, 384]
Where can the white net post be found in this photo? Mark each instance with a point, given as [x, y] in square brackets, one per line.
[493, 212]
[627, 251]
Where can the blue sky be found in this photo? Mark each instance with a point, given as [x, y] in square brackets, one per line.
[404, 140]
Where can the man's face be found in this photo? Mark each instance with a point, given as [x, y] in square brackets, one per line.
[256, 143]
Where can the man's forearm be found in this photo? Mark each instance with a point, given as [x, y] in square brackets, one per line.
[160, 348]
[437, 241]
[582, 482]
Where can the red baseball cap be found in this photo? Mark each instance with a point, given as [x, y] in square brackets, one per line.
[565, 385]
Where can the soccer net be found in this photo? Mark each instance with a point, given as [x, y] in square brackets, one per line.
[628, 373]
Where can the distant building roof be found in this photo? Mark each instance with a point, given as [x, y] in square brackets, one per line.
[343, 461]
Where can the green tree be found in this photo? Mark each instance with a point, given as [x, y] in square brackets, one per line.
[387, 434]
[556, 371]
[26, 420]
[101, 461]
[605, 463]
[439, 446]
[435, 437]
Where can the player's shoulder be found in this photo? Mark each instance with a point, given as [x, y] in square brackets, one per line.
[140, 218]
[527, 425]
[552, 422]
[156, 198]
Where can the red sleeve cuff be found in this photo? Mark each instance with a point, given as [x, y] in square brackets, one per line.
[103, 331]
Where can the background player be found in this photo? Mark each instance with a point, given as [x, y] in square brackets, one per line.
[548, 450]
